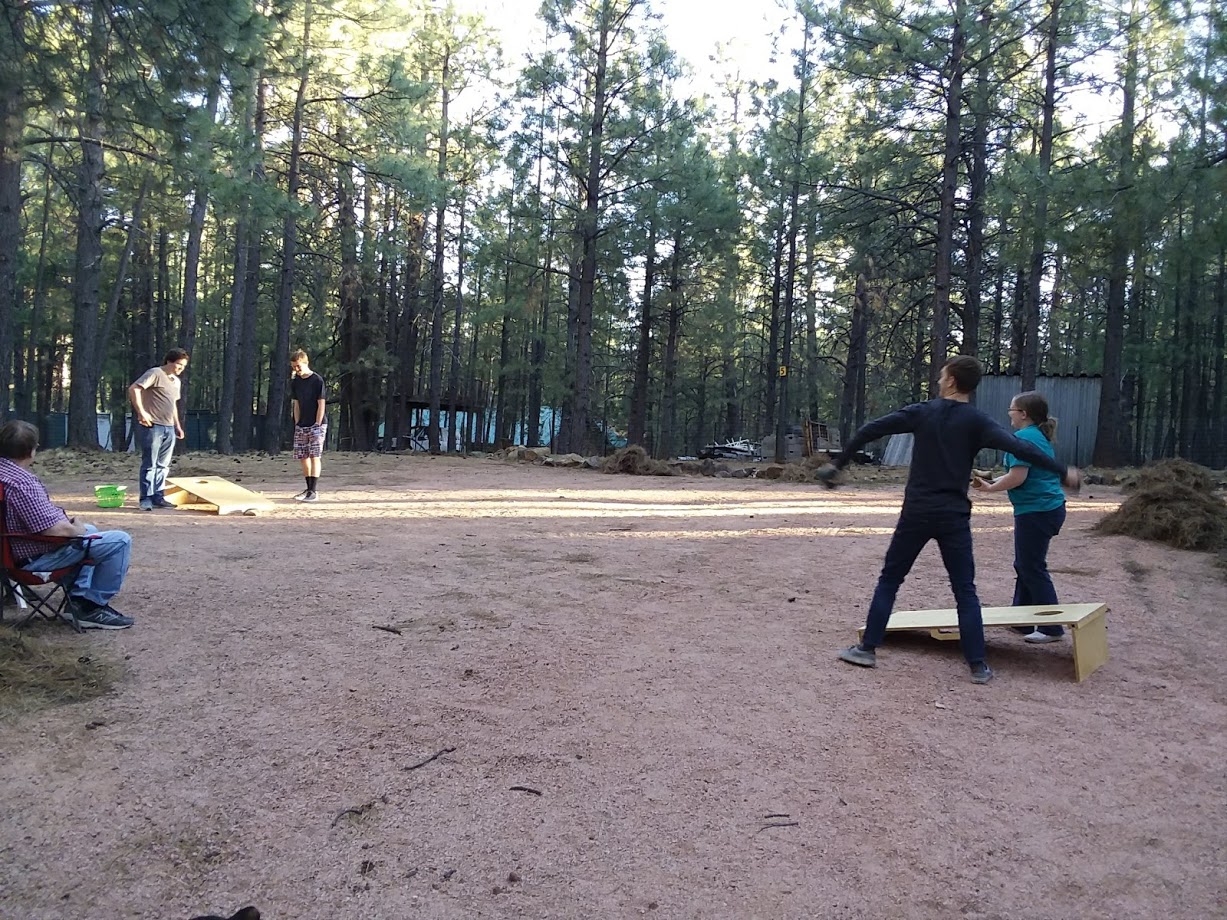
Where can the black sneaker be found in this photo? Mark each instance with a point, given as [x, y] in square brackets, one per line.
[311, 496]
[865, 657]
[104, 617]
[162, 503]
[981, 673]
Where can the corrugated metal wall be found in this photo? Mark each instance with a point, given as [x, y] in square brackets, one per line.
[1073, 401]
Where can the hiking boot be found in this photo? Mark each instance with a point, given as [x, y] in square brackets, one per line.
[311, 496]
[302, 496]
[104, 617]
[1040, 638]
[981, 673]
[865, 657]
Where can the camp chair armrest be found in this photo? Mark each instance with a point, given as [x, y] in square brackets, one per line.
[81, 541]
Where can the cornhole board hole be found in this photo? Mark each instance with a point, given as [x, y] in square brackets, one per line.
[212, 493]
[1087, 625]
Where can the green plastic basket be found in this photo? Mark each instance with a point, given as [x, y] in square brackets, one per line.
[110, 496]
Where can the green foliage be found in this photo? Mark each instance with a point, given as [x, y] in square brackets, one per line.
[710, 189]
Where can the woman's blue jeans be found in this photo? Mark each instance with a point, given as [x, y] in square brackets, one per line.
[1033, 585]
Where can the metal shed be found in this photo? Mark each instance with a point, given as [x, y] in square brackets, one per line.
[1072, 399]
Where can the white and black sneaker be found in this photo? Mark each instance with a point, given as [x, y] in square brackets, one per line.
[311, 496]
[100, 616]
[302, 496]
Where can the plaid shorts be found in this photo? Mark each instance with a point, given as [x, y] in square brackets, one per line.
[309, 442]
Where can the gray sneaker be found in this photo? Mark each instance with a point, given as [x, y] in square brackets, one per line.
[302, 496]
[981, 673]
[104, 617]
[311, 496]
[865, 657]
[147, 505]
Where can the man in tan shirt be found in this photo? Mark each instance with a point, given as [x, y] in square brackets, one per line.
[155, 404]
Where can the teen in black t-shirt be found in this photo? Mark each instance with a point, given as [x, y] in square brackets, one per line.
[310, 422]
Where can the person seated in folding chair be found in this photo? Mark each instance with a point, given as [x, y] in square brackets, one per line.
[28, 510]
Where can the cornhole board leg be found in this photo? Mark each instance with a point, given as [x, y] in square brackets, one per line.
[1090, 639]
[227, 497]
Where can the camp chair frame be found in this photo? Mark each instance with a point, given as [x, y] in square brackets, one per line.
[24, 586]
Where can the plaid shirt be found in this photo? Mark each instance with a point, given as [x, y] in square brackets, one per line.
[27, 509]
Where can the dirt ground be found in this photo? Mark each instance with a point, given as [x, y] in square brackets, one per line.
[609, 696]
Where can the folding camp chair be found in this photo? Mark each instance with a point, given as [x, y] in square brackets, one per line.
[43, 594]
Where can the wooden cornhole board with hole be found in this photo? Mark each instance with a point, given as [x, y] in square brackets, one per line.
[1087, 624]
[212, 493]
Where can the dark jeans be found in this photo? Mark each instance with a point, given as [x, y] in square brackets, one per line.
[1033, 585]
[953, 536]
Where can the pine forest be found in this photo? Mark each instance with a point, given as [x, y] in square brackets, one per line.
[584, 242]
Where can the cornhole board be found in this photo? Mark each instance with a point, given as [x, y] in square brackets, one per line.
[212, 493]
[1087, 625]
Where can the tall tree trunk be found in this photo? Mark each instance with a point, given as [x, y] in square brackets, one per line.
[978, 190]
[576, 432]
[87, 278]
[191, 254]
[811, 315]
[349, 319]
[246, 388]
[436, 299]
[1111, 435]
[667, 446]
[121, 279]
[230, 354]
[638, 421]
[784, 418]
[504, 425]
[12, 121]
[773, 331]
[854, 369]
[36, 349]
[276, 418]
[948, 199]
[1218, 396]
[1030, 357]
[453, 383]
[398, 425]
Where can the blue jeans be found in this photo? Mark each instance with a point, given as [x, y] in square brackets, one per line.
[157, 447]
[953, 536]
[99, 582]
[1033, 585]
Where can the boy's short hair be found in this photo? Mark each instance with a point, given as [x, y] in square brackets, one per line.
[175, 354]
[18, 440]
[965, 371]
[298, 355]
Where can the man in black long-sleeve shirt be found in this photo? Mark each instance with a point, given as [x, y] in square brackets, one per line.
[948, 433]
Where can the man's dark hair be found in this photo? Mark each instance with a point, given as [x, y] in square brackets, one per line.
[175, 354]
[18, 440]
[966, 372]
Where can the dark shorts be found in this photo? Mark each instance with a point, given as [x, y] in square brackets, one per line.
[309, 442]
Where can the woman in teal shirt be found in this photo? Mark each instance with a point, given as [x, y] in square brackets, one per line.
[1039, 509]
